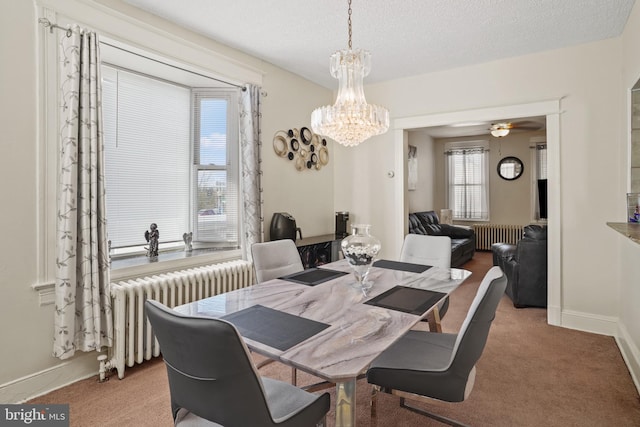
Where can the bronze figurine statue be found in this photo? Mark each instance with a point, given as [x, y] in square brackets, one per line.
[152, 238]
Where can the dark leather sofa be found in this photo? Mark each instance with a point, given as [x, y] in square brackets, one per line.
[525, 265]
[463, 239]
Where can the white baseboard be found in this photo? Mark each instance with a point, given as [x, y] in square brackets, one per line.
[47, 380]
[603, 325]
[630, 353]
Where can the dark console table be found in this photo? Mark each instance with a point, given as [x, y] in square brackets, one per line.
[318, 250]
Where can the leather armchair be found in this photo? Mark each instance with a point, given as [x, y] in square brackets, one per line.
[525, 265]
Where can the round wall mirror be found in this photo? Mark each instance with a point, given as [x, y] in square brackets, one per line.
[510, 168]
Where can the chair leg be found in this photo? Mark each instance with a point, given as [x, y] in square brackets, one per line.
[374, 400]
[436, 417]
[294, 371]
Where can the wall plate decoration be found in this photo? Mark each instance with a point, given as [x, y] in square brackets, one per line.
[303, 148]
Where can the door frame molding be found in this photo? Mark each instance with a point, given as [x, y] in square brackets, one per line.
[550, 109]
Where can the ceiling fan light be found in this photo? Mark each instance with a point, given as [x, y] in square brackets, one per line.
[500, 129]
[499, 132]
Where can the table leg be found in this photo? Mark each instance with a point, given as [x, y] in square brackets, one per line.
[346, 404]
[434, 320]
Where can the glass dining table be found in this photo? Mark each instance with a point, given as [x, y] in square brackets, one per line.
[318, 322]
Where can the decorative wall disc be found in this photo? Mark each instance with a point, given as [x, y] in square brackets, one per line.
[305, 149]
[305, 135]
[280, 145]
[323, 156]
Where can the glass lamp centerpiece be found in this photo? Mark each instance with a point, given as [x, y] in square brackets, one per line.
[360, 250]
[350, 120]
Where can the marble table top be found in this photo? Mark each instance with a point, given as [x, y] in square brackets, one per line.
[358, 332]
[630, 230]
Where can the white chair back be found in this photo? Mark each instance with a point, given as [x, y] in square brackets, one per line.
[275, 259]
[427, 250]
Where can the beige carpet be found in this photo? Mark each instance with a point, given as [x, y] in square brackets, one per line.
[530, 374]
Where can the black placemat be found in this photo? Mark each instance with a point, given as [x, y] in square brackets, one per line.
[402, 266]
[274, 328]
[408, 300]
[313, 276]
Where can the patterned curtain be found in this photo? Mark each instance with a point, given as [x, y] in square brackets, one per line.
[250, 147]
[83, 318]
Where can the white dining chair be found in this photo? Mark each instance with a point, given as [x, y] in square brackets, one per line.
[429, 250]
[275, 259]
[272, 260]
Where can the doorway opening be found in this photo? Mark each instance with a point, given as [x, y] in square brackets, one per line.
[550, 110]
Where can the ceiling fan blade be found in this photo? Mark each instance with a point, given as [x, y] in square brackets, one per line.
[528, 125]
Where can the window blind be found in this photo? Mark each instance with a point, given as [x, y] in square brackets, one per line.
[468, 183]
[147, 157]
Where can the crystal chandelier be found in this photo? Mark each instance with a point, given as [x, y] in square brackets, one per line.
[350, 120]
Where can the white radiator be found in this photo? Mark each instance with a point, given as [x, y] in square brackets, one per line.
[134, 341]
[488, 234]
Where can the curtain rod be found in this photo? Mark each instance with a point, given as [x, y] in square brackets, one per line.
[51, 26]
[174, 66]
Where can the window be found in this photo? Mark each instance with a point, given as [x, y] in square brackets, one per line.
[216, 164]
[171, 157]
[467, 181]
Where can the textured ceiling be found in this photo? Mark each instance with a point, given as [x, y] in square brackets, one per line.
[405, 37]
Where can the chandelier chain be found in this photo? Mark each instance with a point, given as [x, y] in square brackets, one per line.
[349, 22]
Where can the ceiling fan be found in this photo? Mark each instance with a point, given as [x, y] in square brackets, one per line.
[501, 129]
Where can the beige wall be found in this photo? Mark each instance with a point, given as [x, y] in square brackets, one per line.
[423, 197]
[27, 366]
[627, 251]
[510, 202]
[307, 194]
[26, 330]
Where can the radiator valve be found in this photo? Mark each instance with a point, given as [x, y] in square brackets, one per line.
[105, 367]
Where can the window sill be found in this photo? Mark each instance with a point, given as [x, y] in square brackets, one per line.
[125, 268]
